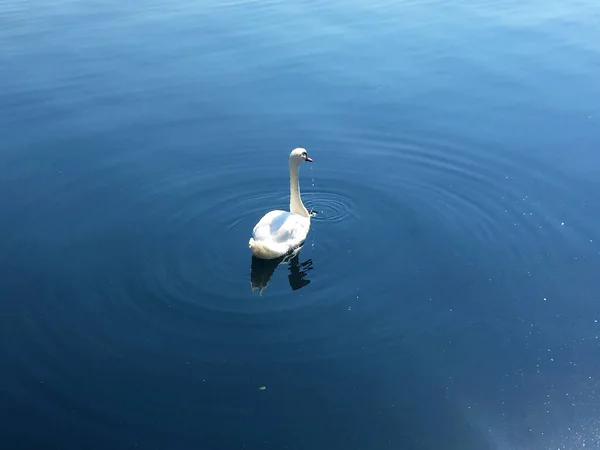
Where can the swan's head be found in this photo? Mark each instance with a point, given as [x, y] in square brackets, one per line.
[299, 155]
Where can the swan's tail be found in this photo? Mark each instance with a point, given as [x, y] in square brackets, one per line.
[260, 250]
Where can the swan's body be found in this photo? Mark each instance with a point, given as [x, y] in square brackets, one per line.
[280, 232]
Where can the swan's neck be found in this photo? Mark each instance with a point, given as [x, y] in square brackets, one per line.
[296, 205]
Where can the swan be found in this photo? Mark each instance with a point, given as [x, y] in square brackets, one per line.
[279, 232]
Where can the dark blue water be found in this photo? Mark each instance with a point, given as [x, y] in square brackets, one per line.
[447, 296]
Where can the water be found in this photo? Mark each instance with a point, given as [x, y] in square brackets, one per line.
[446, 297]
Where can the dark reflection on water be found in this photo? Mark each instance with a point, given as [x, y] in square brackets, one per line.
[262, 270]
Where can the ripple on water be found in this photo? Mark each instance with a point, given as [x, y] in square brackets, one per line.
[186, 274]
[191, 268]
[331, 206]
[196, 223]
[493, 196]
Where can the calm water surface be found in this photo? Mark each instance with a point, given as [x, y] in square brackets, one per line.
[447, 296]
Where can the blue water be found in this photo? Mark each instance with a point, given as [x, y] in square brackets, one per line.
[447, 296]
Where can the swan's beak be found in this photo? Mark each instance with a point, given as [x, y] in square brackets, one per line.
[308, 159]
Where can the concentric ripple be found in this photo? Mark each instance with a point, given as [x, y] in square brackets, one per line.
[176, 280]
[329, 207]
[180, 239]
[495, 197]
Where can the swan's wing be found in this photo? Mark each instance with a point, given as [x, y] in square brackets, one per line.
[289, 228]
[262, 230]
[281, 226]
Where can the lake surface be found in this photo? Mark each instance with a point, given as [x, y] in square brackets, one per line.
[447, 296]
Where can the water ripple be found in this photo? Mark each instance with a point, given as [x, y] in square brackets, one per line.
[190, 267]
[330, 207]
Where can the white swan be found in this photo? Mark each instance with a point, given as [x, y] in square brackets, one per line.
[280, 232]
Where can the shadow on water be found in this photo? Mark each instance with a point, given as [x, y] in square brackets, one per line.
[262, 270]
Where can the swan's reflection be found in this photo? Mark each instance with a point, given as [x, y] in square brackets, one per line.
[262, 270]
